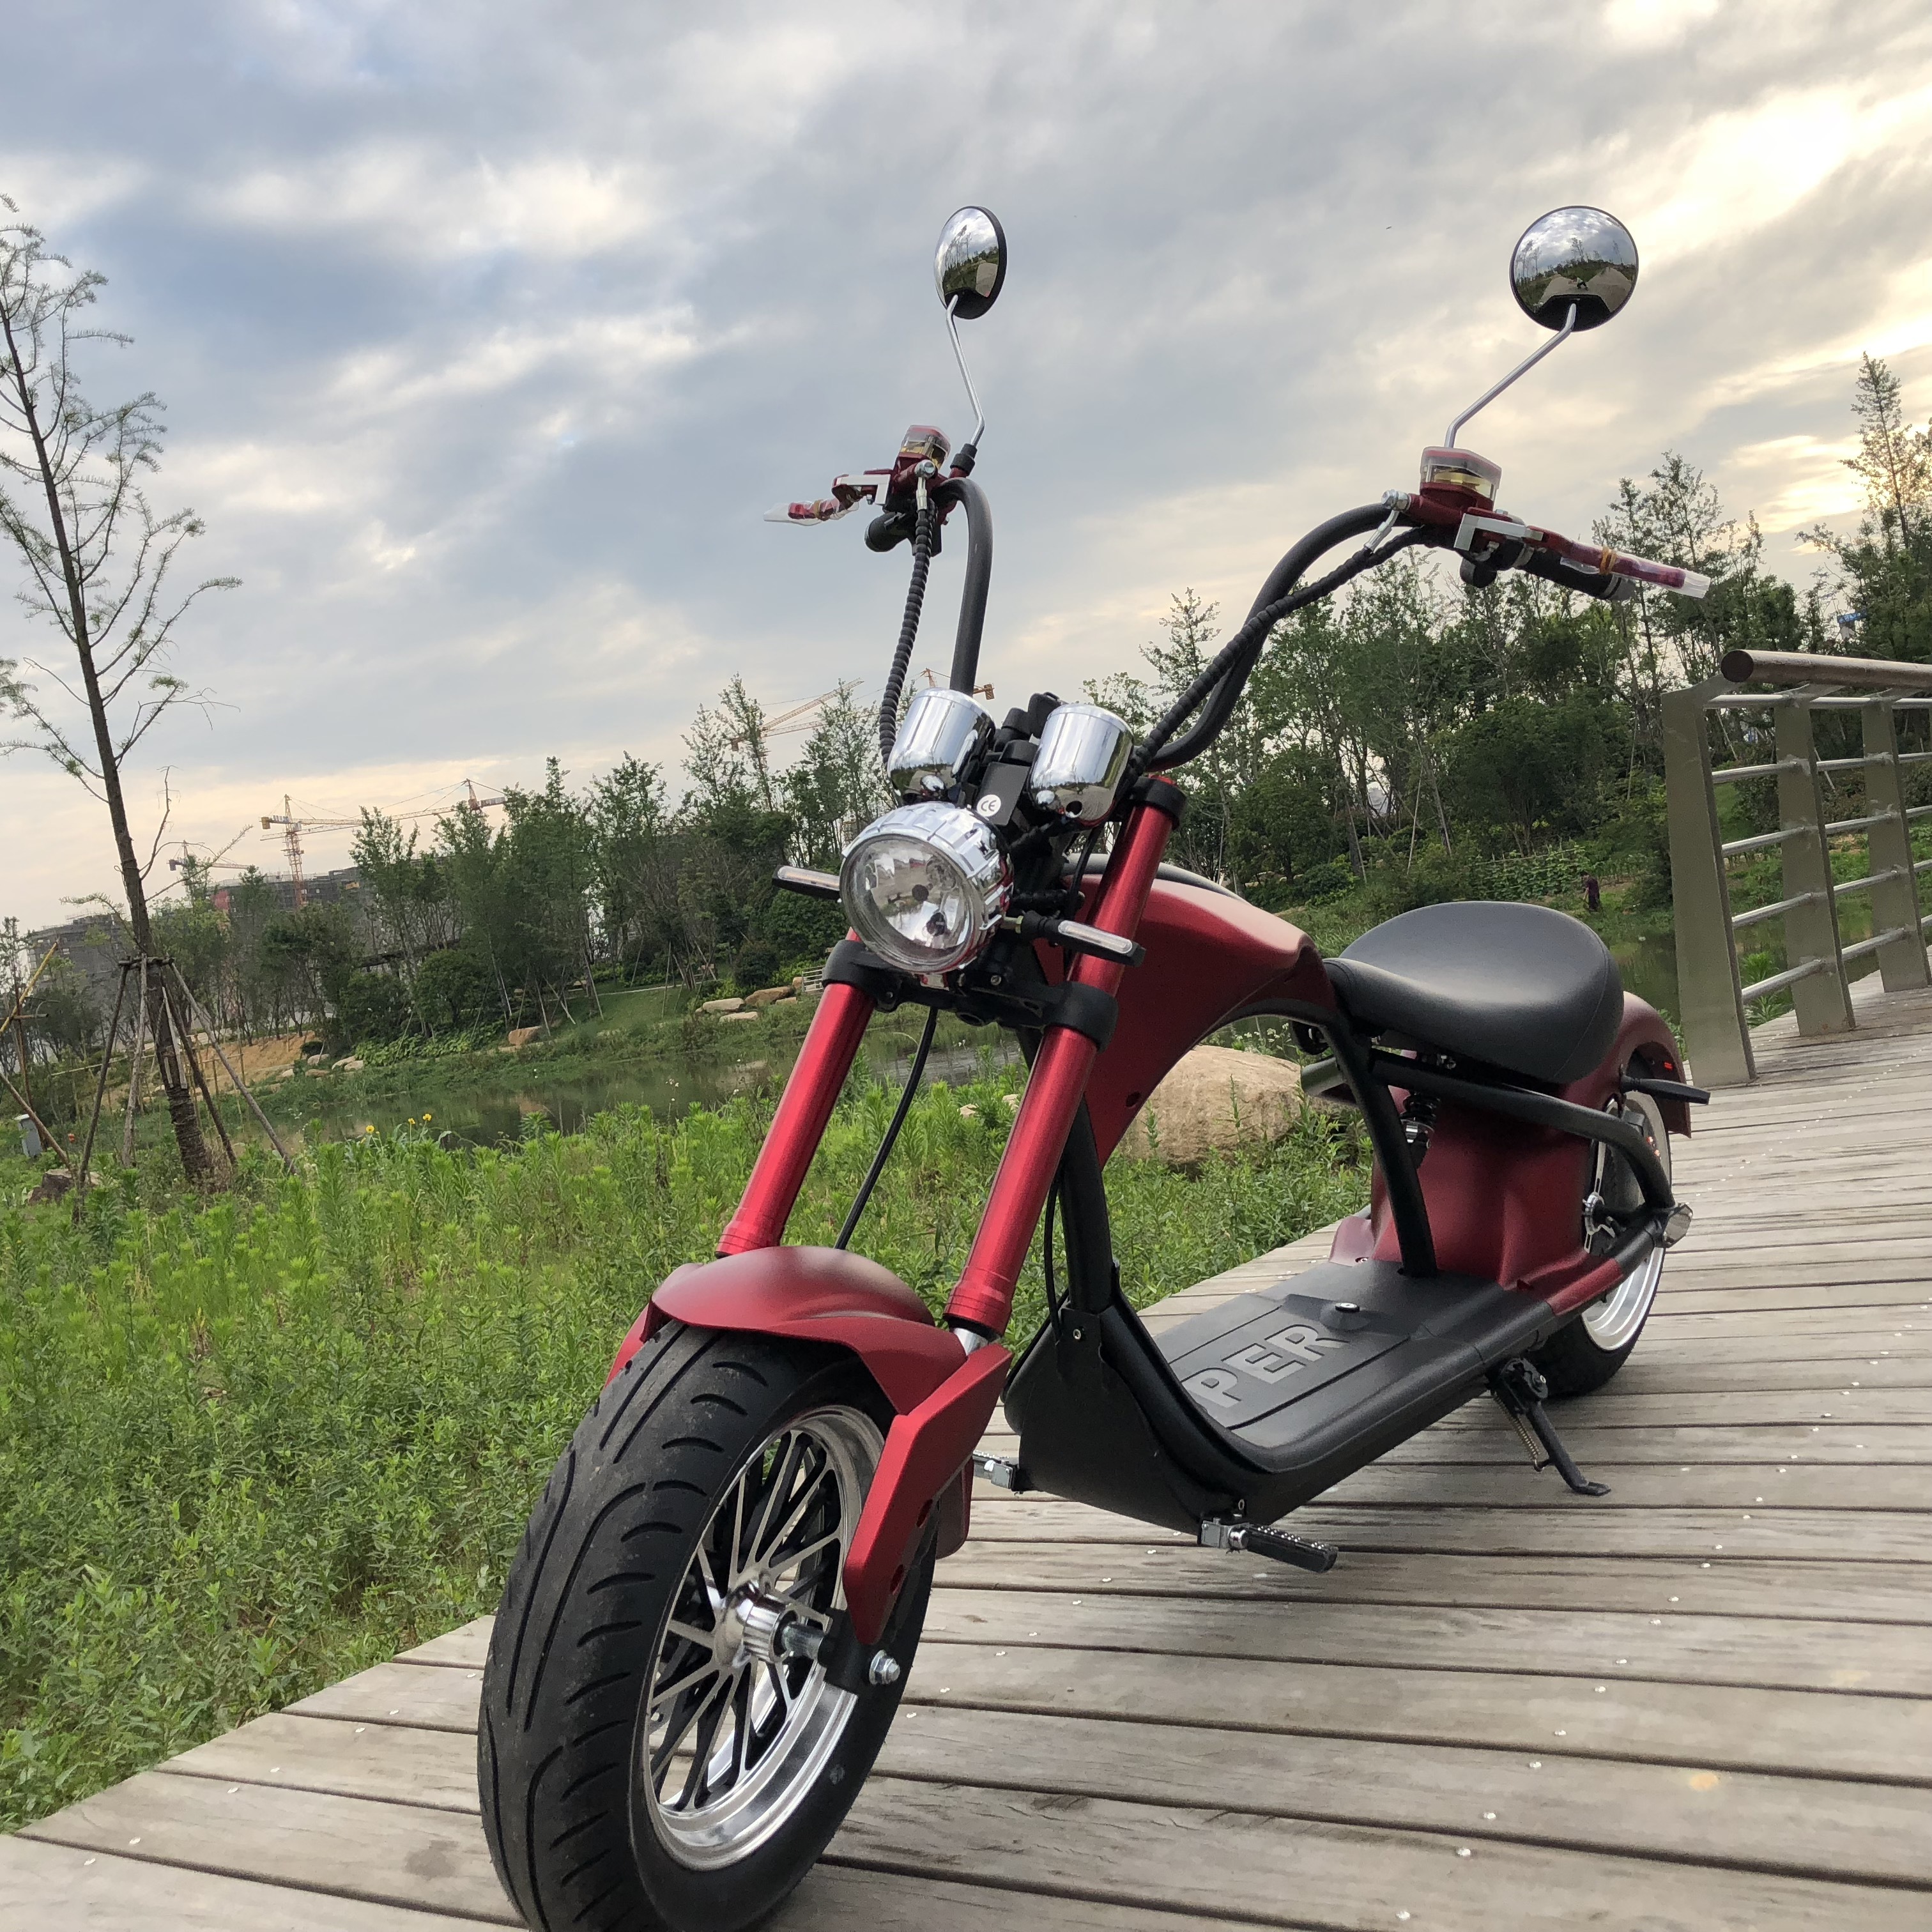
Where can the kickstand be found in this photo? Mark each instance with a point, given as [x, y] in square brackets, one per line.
[1519, 1388]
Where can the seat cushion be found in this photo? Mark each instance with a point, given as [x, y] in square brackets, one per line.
[1520, 987]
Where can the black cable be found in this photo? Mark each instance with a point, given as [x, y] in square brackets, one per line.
[889, 705]
[1046, 1256]
[879, 1159]
[1253, 635]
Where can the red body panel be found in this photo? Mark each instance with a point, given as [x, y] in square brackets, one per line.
[1504, 1196]
[1210, 957]
[816, 1294]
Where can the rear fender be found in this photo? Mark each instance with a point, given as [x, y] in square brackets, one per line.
[942, 1400]
[1504, 1197]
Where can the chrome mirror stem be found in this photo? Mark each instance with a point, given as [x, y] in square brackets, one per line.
[973, 394]
[1483, 401]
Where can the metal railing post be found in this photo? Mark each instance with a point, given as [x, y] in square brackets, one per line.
[1894, 889]
[1822, 1000]
[1716, 1038]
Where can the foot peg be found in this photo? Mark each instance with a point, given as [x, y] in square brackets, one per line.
[1002, 1473]
[1519, 1388]
[1276, 1545]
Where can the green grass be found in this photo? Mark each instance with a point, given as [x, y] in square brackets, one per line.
[251, 1443]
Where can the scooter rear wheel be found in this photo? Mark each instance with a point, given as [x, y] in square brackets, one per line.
[1585, 1355]
[651, 1756]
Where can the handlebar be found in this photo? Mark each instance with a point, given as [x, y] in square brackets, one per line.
[1513, 545]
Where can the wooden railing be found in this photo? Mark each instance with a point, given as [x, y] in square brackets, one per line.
[1715, 1002]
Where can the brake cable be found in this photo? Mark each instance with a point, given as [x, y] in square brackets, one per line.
[1254, 632]
[922, 561]
[879, 1159]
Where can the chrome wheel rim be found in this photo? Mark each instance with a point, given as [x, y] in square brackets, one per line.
[737, 1730]
[1613, 1322]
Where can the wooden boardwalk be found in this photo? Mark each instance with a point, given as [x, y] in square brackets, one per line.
[1703, 1702]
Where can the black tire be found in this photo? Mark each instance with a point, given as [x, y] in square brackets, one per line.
[579, 1833]
[1576, 1360]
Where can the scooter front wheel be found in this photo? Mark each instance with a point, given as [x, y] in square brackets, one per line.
[652, 1753]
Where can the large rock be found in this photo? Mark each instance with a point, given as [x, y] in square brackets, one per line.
[720, 1007]
[1215, 1099]
[522, 1037]
[768, 996]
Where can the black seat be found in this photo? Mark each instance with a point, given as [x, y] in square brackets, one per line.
[1520, 987]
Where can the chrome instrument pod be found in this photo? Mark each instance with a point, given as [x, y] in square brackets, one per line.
[1082, 757]
[940, 735]
[926, 886]
[969, 267]
[1573, 257]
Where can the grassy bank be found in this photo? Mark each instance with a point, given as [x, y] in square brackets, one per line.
[252, 1443]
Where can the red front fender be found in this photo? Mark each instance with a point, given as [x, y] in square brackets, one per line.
[813, 1294]
[944, 1399]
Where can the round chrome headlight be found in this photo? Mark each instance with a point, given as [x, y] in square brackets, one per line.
[925, 886]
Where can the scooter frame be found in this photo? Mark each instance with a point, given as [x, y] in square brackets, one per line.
[1498, 1200]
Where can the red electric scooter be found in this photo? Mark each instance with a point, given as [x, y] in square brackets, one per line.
[706, 1630]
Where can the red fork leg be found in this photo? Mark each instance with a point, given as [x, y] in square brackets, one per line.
[831, 1045]
[984, 1298]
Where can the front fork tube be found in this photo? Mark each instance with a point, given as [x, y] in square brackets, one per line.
[818, 1076]
[983, 1301]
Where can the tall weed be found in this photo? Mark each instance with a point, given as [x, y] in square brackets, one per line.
[251, 1444]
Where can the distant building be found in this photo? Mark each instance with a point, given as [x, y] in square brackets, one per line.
[95, 944]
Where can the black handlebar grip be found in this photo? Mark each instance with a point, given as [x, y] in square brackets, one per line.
[1573, 577]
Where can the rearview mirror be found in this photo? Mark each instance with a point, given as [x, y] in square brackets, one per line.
[969, 266]
[1573, 257]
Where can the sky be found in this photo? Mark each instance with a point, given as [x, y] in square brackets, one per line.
[488, 333]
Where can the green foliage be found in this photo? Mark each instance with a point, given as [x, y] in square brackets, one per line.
[1885, 570]
[371, 1006]
[455, 990]
[1524, 768]
[249, 1445]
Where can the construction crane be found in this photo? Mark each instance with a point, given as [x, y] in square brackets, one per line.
[292, 828]
[797, 718]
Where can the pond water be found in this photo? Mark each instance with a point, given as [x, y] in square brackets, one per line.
[1649, 970]
[489, 1114]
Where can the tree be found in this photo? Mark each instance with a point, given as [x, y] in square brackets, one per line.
[98, 562]
[1886, 569]
[834, 788]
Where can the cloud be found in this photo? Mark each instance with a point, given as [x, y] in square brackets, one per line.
[487, 337]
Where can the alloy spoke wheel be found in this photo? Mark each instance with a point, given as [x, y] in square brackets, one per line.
[1613, 1322]
[739, 1727]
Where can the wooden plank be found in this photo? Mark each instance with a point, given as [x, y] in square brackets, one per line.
[1603, 1646]
[434, 1768]
[1820, 1826]
[348, 1848]
[51, 1887]
[409, 1694]
[1709, 1535]
[1748, 1490]
[1703, 1445]
[1655, 1586]
[1839, 1733]
[463, 1647]
[1843, 1331]
[1656, 1369]
[1293, 1873]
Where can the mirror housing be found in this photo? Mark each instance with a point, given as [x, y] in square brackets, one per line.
[1573, 257]
[969, 267]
